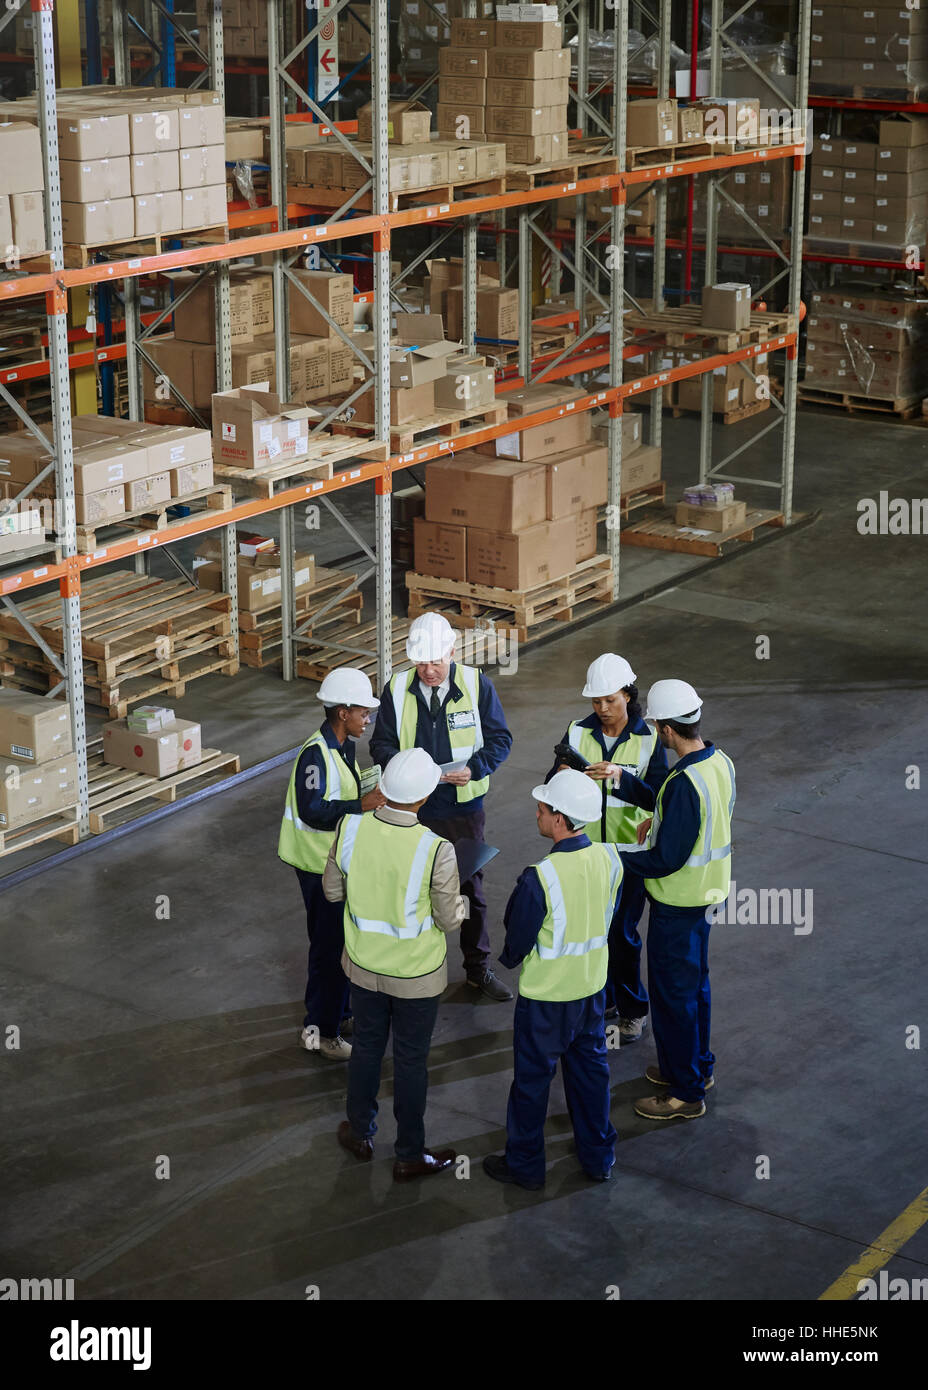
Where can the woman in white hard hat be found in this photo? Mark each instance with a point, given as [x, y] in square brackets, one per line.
[557, 927]
[614, 741]
[399, 884]
[324, 786]
[453, 712]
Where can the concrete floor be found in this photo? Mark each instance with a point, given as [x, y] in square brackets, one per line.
[144, 1038]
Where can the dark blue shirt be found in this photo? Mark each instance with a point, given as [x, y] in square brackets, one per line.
[432, 735]
[310, 800]
[526, 909]
[641, 793]
[679, 828]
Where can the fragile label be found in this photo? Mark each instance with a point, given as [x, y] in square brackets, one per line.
[228, 433]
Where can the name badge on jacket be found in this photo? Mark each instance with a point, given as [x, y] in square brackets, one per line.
[464, 719]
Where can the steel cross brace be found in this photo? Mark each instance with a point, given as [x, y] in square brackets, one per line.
[564, 259]
[37, 639]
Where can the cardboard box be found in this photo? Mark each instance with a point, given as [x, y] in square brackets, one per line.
[20, 157]
[460, 122]
[202, 125]
[535, 64]
[244, 140]
[726, 306]
[93, 135]
[314, 359]
[440, 550]
[170, 749]
[6, 222]
[204, 207]
[903, 129]
[651, 122]
[728, 385]
[586, 534]
[466, 388]
[571, 430]
[471, 489]
[148, 173]
[90, 224]
[711, 518]
[462, 62]
[33, 728]
[462, 163]
[105, 465]
[408, 123]
[536, 149]
[202, 165]
[490, 160]
[91, 508]
[173, 446]
[151, 131]
[528, 91]
[690, 124]
[526, 120]
[29, 791]
[406, 406]
[158, 212]
[522, 561]
[253, 428]
[497, 312]
[259, 580]
[334, 292]
[191, 477]
[148, 492]
[262, 300]
[20, 530]
[576, 480]
[27, 211]
[471, 91]
[195, 317]
[518, 35]
[473, 33]
[341, 367]
[643, 468]
[97, 178]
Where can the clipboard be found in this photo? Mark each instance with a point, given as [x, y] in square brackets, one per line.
[472, 856]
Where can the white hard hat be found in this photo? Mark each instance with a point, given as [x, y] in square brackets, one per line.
[572, 793]
[607, 674]
[431, 638]
[409, 776]
[673, 700]
[347, 686]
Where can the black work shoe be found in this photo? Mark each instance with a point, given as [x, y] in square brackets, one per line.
[600, 1177]
[496, 1167]
[489, 985]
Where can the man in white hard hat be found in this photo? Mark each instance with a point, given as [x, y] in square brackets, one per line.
[399, 885]
[620, 748]
[686, 869]
[454, 713]
[557, 925]
[324, 786]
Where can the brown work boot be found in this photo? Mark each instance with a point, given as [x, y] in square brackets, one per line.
[404, 1170]
[361, 1148]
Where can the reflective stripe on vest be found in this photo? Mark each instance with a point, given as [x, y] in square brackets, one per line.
[304, 846]
[622, 817]
[581, 889]
[464, 742]
[707, 872]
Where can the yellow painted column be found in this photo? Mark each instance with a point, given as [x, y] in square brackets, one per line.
[68, 39]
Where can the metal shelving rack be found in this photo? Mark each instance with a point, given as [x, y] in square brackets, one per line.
[286, 243]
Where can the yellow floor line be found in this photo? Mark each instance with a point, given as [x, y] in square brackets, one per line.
[889, 1243]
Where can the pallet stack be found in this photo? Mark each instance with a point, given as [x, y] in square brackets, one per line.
[872, 192]
[867, 349]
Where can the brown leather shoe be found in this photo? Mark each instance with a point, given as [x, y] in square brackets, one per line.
[405, 1170]
[361, 1148]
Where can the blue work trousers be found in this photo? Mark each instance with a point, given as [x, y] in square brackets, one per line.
[678, 978]
[412, 1022]
[624, 988]
[543, 1033]
[326, 996]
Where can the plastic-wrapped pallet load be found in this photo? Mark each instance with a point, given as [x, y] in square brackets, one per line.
[868, 342]
[867, 192]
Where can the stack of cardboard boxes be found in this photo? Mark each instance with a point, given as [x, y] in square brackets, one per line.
[423, 30]
[152, 741]
[258, 571]
[428, 373]
[244, 26]
[119, 466]
[253, 428]
[321, 364]
[507, 79]
[881, 46]
[521, 510]
[868, 343]
[354, 34]
[39, 771]
[136, 161]
[22, 205]
[872, 192]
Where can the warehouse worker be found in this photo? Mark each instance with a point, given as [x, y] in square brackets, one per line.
[399, 884]
[453, 712]
[324, 786]
[686, 869]
[620, 749]
[557, 924]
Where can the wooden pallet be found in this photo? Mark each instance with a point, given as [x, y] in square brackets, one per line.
[648, 496]
[326, 451]
[553, 341]
[646, 156]
[399, 198]
[444, 423]
[317, 659]
[114, 791]
[727, 417]
[663, 533]
[584, 161]
[47, 551]
[61, 826]
[901, 96]
[904, 408]
[518, 612]
[90, 539]
[261, 634]
[679, 326]
[78, 256]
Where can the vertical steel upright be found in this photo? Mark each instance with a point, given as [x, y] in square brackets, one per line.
[617, 289]
[57, 311]
[791, 376]
[130, 287]
[712, 239]
[469, 252]
[380, 81]
[661, 190]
